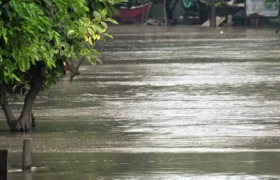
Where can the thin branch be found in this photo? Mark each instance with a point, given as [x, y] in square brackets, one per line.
[5, 2]
[76, 70]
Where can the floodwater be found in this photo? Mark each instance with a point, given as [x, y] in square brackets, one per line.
[168, 103]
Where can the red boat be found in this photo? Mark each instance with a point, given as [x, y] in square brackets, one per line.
[134, 13]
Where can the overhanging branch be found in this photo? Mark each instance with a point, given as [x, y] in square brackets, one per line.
[75, 70]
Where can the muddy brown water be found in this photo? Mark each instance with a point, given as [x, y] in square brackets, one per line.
[167, 103]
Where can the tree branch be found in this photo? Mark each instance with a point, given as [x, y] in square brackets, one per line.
[3, 3]
[75, 71]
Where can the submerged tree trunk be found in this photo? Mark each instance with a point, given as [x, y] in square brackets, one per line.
[6, 107]
[23, 123]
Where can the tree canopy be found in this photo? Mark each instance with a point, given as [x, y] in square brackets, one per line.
[37, 37]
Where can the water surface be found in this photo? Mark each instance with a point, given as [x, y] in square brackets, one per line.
[176, 103]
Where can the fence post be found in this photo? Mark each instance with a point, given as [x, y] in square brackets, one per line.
[26, 155]
[3, 164]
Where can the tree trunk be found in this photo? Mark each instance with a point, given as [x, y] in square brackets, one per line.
[33, 120]
[29, 100]
[23, 122]
[6, 107]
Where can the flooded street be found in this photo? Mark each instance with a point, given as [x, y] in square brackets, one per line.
[177, 103]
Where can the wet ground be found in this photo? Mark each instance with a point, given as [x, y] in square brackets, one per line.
[177, 103]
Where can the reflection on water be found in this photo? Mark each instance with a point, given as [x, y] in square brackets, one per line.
[175, 103]
[154, 166]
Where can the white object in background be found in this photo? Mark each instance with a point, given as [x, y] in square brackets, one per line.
[262, 8]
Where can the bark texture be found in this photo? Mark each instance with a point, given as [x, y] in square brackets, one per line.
[23, 123]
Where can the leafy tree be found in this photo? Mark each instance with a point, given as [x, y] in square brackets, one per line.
[36, 37]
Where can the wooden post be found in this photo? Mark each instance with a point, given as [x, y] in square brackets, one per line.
[26, 155]
[225, 10]
[3, 164]
[199, 11]
[143, 15]
[213, 14]
[246, 17]
[165, 15]
[229, 18]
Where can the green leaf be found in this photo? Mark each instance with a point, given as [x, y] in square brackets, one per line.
[68, 54]
[112, 21]
[16, 78]
[108, 35]
[84, 52]
[90, 31]
[103, 13]
[102, 39]
[90, 41]
[86, 9]
[104, 24]
[24, 64]
[4, 32]
[97, 15]
[97, 28]
[71, 33]
[72, 48]
[96, 52]
[6, 39]
[98, 60]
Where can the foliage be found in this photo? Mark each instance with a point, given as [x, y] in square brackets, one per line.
[44, 33]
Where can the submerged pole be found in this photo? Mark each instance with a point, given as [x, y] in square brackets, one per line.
[213, 14]
[26, 155]
[164, 10]
[3, 164]
[143, 11]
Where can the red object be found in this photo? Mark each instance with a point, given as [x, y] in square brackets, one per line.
[65, 66]
[135, 13]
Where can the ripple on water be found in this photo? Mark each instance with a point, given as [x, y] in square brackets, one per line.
[188, 91]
